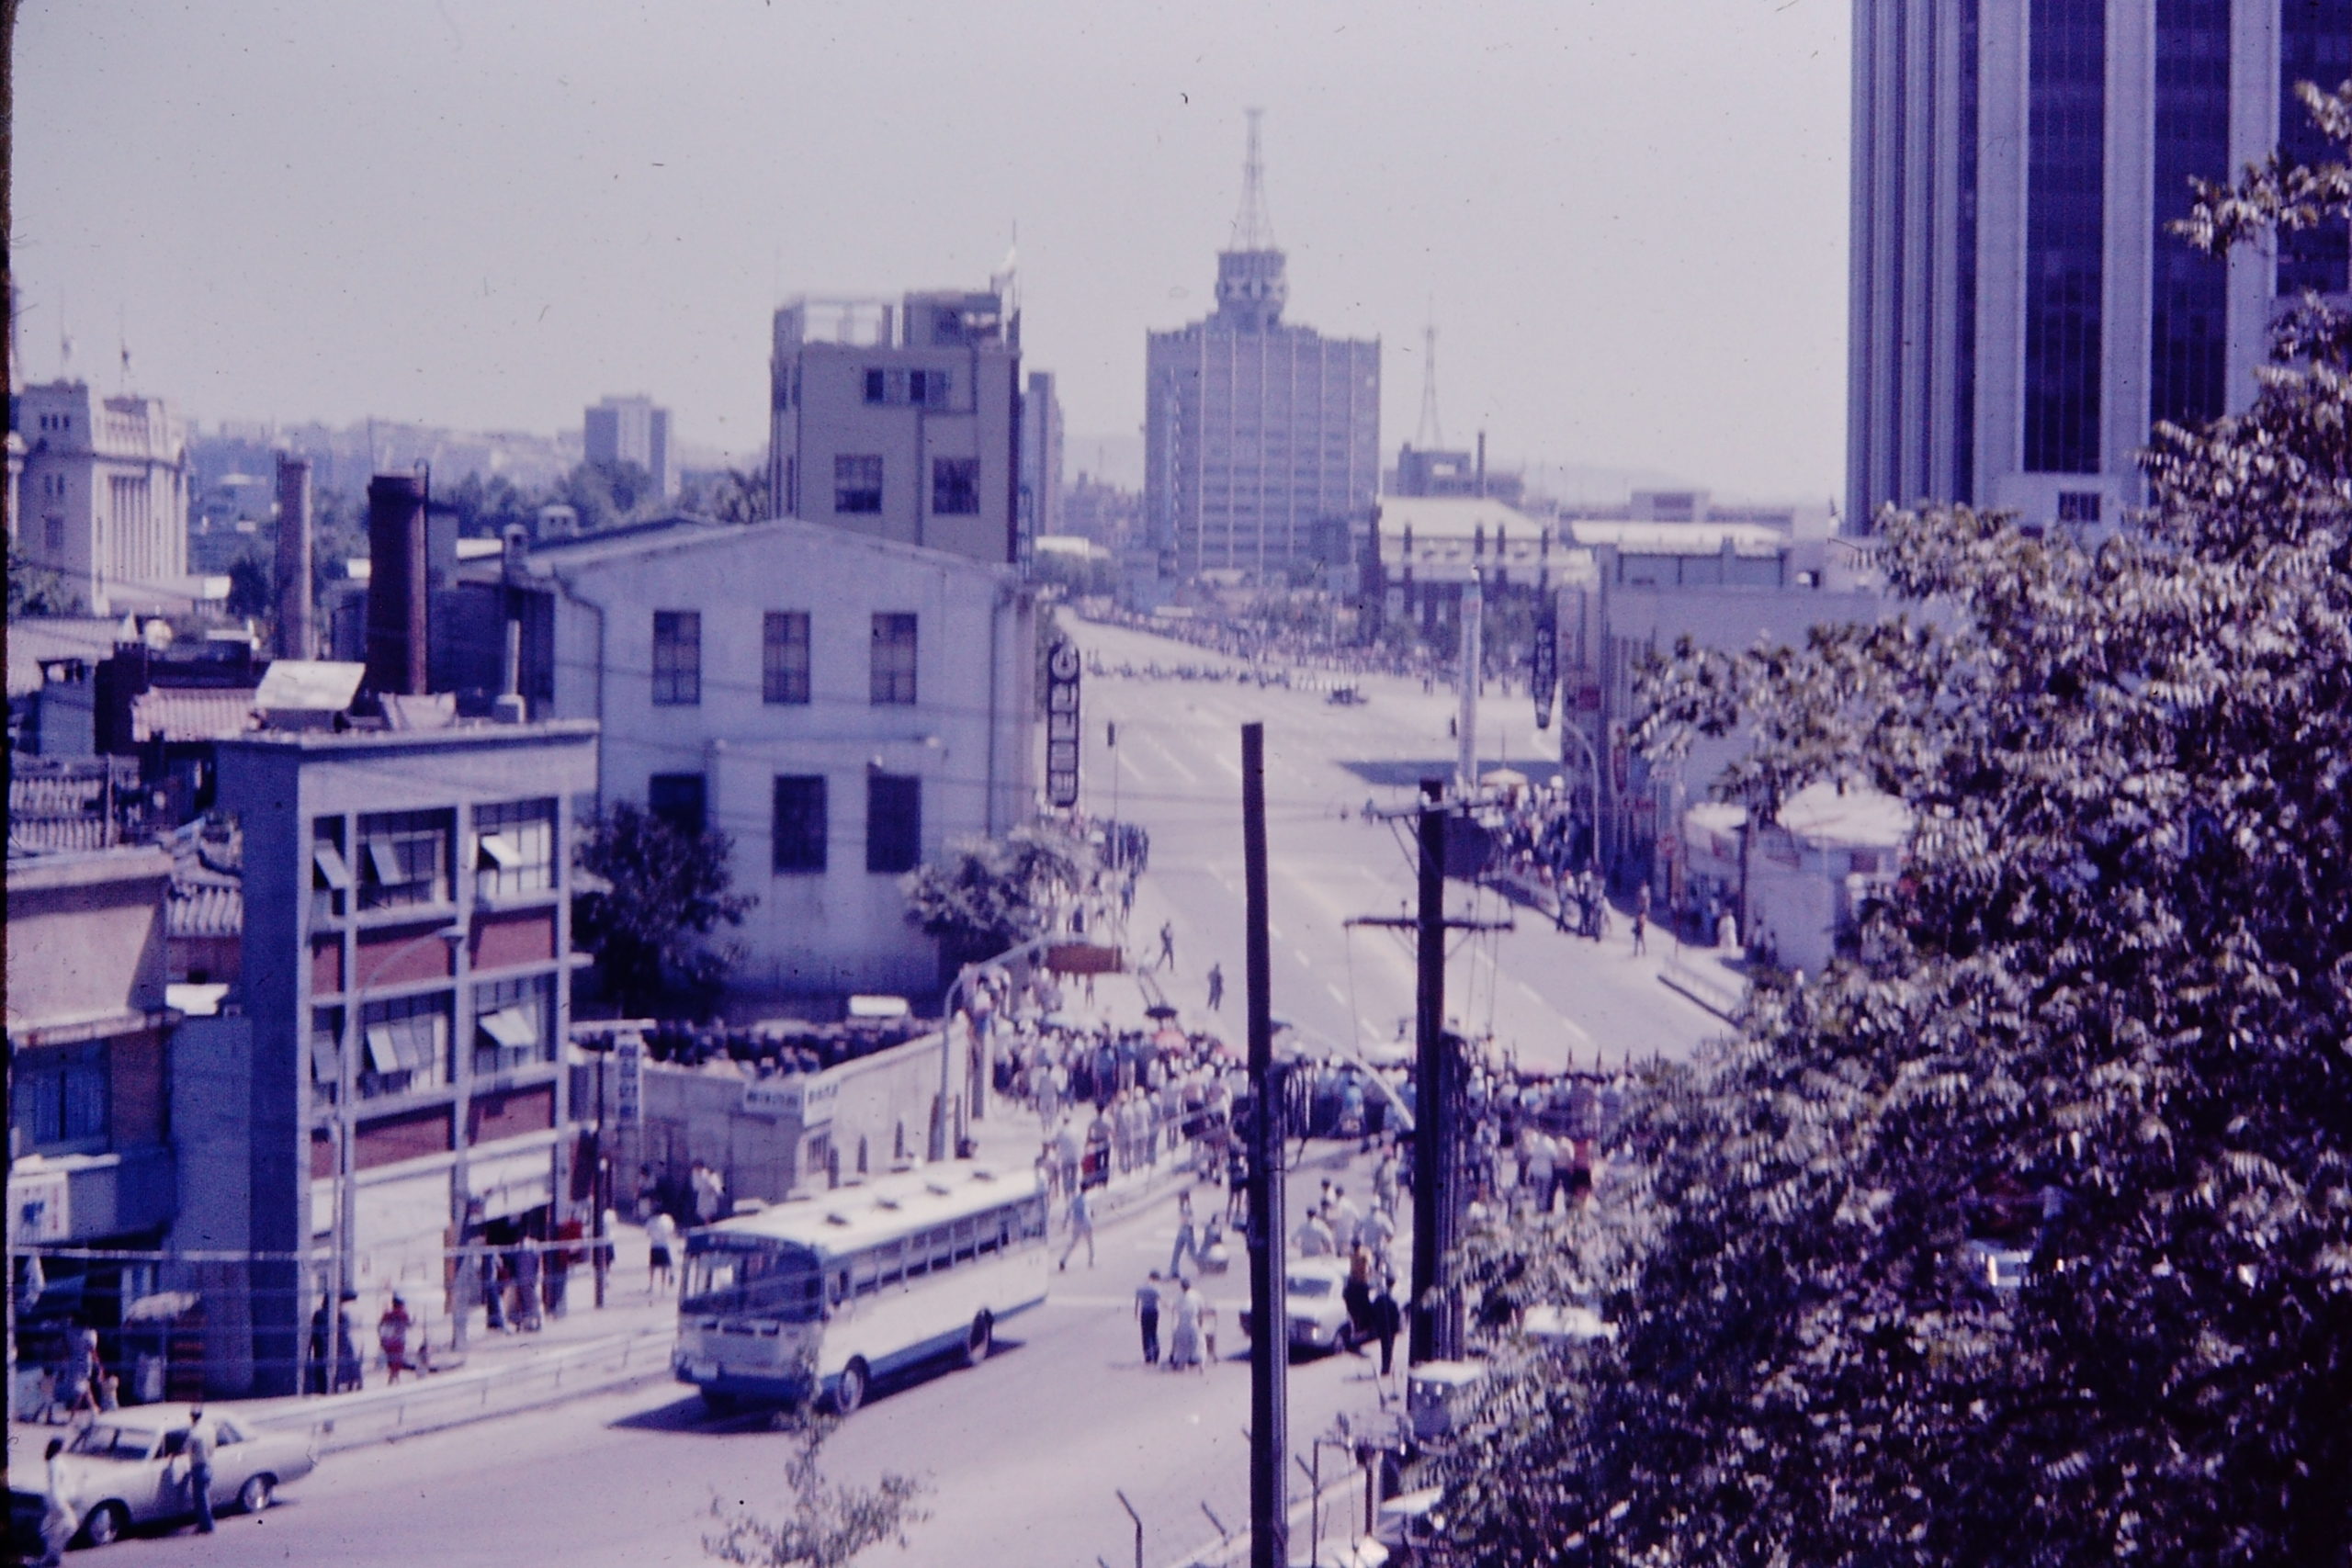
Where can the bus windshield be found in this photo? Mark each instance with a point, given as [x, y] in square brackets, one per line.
[754, 1277]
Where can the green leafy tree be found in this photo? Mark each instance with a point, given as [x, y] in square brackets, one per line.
[829, 1524]
[37, 590]
[2106, 1016]
[988, 895]
[665, 892]
[251, 589]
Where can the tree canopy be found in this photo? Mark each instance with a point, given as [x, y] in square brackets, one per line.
[665, 892]
[988, 895]
[2106, 1015]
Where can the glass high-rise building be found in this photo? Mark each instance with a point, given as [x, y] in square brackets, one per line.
[1256, 431]
[2021, 315]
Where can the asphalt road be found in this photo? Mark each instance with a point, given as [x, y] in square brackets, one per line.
[1176, 769]
[1025, 1454]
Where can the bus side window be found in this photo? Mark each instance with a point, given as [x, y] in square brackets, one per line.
[866, 1271]
[918, 1256]
[840, 1286]
[963, 1229]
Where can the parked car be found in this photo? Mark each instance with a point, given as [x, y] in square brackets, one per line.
[1311, 1298]
[126, 1469]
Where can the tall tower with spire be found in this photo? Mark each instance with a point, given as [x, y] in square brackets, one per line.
[1261, 438]
[1250, 288]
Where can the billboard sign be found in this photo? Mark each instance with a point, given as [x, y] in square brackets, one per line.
[1062, 726]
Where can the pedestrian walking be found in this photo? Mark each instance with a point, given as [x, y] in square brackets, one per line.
[526, 1261]
[1314, 1239]
[391, 1338]
[348, 1378]
[315, 1375]
[1641, 920]
[1208, 1333]
[649, 1193]
[197, 1451]
[710, 1193]
[1148, 1315]
[1081, 1228]
[1388, 1317]
[1184, 1345]
[1187, 1239]
[660, 1236]
[83, 1371]
[1216, 988]
[1167, 944]
[60, 1518]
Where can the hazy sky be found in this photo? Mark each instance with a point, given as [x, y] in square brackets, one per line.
[1631, 215]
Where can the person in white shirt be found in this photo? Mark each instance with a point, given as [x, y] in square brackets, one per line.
[661, 1238]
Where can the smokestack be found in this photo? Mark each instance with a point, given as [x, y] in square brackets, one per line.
[296, 636]
[396, 645]
[1482, 462]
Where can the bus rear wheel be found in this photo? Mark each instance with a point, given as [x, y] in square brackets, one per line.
[849, 1389]
[980, 1340]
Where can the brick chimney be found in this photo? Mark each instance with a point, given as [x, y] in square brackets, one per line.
[396, 585]
[297, 629]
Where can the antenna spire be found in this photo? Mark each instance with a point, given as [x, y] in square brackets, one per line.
[1252, 230]
[1431, 437]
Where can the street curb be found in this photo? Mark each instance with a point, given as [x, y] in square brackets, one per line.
[456, 1399]
[1702, 995]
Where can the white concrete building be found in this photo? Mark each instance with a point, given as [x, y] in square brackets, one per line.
[2020, 314]
[843, 707]
[633, 430]
[901, 422]
[102, 496]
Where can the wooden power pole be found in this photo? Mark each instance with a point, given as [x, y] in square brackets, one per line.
[1269, 1314]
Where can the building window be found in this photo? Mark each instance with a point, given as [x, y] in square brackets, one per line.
[327, 1054]
[404, 859]
[783, 659]
[514, 849]
[893, 822]
[514, 1024]
[2078, 505]
[404, 1045]
[54, 528]
[921, 388]
[954, 486]
[679, 799]
[894, 660]
[57, 1098]
[857, 483]
[800, 826]
[330, 873]
[677, 658]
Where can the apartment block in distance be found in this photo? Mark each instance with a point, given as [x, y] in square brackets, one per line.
[901, 422]
[2021, 315]
[633, 430]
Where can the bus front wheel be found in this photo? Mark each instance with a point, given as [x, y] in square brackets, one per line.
[849, 1388]
[980, 1340]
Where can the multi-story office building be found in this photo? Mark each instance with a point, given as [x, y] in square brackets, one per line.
[902, 421]
[632, 430]
[2021, 315]
[102, 496]
[395, 1078]
[1256, 431]
[1041, 461]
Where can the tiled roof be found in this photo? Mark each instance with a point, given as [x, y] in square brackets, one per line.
[193, 713]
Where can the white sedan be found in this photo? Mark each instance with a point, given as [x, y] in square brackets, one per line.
[128, 1468]
[1314, 1300]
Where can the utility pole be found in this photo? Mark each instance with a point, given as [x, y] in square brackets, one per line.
[1473, 616]
[1270, 1345]
[1436, 1331]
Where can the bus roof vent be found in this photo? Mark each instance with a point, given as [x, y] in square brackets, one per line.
[937, 1188]
[886, 1203]
[835, 1217]
[982, 1173]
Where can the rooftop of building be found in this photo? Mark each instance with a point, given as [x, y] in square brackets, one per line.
[553, 558]
[375, 737]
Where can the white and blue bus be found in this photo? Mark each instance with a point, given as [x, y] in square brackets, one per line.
[817, 1297]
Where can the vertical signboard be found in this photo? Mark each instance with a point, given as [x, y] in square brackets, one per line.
[628, 1087]
[1062, 726]
[1544, 675]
